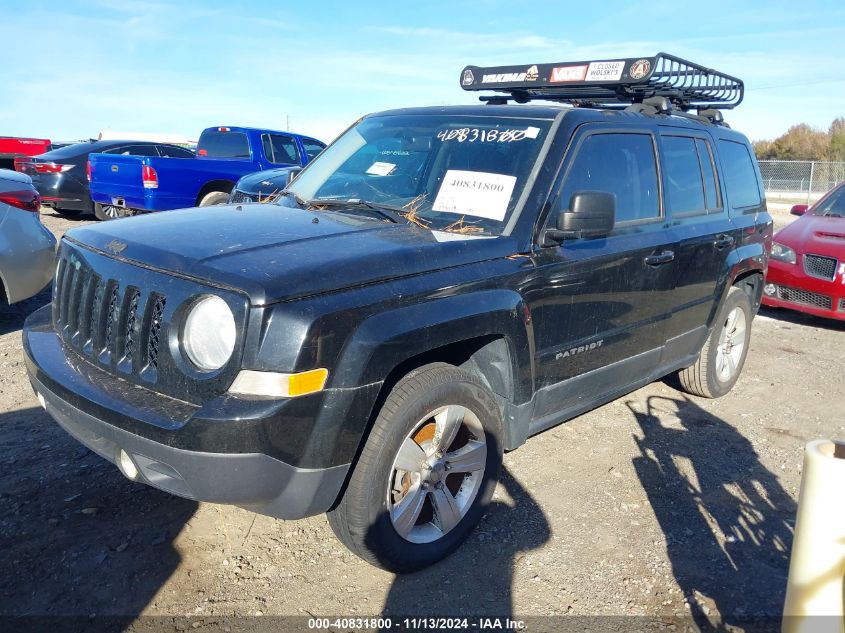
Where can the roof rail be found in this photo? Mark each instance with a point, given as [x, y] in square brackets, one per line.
[614, 83]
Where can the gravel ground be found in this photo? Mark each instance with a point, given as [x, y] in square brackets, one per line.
[657, 504]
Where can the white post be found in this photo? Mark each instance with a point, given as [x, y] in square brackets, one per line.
[815, 591]
[810, 186]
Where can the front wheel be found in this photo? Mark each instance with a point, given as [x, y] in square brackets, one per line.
[721, 360]
[426, 473]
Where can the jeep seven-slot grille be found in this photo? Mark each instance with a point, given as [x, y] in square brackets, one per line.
[794, 295]
[819, 266]
[112, 324]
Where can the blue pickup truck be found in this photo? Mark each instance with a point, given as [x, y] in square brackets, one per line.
[126, 185]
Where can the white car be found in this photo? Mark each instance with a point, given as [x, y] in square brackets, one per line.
[27, 248]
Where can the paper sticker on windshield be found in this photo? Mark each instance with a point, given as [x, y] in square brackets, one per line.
[532, 132]
[475, 193]
[381, 169]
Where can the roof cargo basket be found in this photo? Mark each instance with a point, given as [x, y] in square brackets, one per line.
[614, 83]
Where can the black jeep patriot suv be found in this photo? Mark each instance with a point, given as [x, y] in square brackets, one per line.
[437, 286]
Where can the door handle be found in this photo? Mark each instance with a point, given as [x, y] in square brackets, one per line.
[663, 258]
[723, 241]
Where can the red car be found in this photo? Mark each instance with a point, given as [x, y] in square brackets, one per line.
[807, 264]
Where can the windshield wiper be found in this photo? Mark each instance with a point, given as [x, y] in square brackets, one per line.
[394, 214]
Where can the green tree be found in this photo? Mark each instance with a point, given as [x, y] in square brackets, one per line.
[836, 146]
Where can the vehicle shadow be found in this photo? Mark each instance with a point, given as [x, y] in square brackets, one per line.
[727, 520]
[83, 548]
[477, 580]
[800, 318]
[13, 316]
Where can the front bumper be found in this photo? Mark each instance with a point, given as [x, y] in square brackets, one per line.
[102, 412]
[796, 290]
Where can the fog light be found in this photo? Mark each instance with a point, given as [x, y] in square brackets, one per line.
[770, 289]
[126, 465]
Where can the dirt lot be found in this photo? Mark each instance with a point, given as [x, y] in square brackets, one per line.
[657, 504]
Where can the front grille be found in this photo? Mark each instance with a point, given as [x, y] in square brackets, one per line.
[105, 321]
[820, 266]
[803, 297]
[240, 196]
[120, 317]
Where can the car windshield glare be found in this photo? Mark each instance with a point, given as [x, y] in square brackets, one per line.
[447, 172]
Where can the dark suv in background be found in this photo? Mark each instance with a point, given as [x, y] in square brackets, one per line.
[60, 175]
[438, 285]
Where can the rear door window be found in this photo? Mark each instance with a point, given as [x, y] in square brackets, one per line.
[138, 150]
[173, 151]
[740, 176]
[280, 149]
[623, 164]
[217, 144]
[708, 170]
[312, 148]
[682, 171]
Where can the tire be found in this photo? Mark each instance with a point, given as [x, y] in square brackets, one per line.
[105, 212]
[718, 367]
[214, 197]
[440, 508]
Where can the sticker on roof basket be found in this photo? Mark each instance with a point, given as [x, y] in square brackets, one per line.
[563, 74]
[477, 193]
[605, 71]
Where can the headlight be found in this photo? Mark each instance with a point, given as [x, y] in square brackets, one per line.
[208, 336]
[783, 253]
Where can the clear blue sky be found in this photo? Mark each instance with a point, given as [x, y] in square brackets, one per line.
[73, 68]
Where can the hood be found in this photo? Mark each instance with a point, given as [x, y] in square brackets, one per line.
[265, 182]
[815, 234]
[274, 252]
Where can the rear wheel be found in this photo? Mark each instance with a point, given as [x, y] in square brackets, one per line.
[214, 197]
[105, 212]
[426, 473]
[721, 360]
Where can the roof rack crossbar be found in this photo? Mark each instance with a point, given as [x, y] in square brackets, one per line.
[610, 83]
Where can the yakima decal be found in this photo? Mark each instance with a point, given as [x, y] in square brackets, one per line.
[568, 73]
[639, 69]
[532, 74]
[468, 78]
[500, 78]
[579, 350]
[605, 71]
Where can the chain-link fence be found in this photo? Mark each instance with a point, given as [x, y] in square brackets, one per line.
[800, 179]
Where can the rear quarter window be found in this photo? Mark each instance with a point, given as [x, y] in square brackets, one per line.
[740, 176]
[217, 144]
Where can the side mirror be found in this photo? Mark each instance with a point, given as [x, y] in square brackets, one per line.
[590, 214]
[799, 209]
[293, 172]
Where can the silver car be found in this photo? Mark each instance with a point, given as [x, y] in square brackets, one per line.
[27, 248]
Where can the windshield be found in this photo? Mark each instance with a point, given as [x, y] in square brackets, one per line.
[463, 173]
[833, 206]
